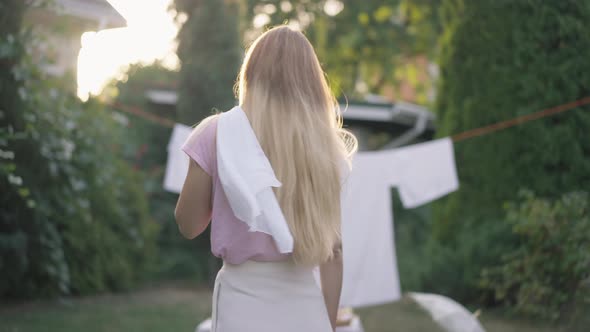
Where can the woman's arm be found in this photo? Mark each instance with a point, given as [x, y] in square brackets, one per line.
[193, 210]
[331, 277]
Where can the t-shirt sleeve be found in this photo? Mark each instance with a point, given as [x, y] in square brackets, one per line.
[427, 172]
[200, 146]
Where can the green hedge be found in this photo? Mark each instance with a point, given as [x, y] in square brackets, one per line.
[499, 60]
[146, 149]
[546, 273]
[74, 215]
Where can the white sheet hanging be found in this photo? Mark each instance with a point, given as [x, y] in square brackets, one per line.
[177, 163]
[422, 173]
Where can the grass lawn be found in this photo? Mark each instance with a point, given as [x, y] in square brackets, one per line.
[180, 307]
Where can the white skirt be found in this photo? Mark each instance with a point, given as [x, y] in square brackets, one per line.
[268, 297]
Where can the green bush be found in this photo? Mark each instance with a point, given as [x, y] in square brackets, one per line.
[546, 271]
[74, 216]
[451, 270]
[146, 150]
[427, 265]
[410, 243]
[499, 60]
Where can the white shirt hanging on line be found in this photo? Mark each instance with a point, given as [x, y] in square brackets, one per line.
[177, 163]
[422, 173]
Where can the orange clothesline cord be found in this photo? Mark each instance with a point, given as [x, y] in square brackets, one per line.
[143, 114]
[472, 133]
[518, 120]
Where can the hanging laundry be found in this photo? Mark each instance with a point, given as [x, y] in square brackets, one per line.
[177, 163]
[421, 172]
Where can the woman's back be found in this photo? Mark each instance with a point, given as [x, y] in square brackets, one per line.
[283, 90]
[231, 239]
[268, 172]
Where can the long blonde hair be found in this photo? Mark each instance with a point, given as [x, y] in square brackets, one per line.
[283, 90]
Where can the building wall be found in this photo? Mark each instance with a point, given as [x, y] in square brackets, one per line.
[61, 27]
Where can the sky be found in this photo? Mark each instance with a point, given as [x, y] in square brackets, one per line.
[149, 35]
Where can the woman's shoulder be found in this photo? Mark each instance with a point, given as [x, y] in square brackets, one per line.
[200, 145]
[204, 133]
[206, 127]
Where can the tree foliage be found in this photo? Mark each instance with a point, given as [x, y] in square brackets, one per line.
[367, 42]
[210, 55]
[499, 60]
[74, 218]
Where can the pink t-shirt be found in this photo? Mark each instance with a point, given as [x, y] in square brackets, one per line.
[230, 238]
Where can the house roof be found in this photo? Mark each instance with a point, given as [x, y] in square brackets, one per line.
[401, 114]
[100, 11]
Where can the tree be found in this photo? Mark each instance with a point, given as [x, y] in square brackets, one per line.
[11, 16]
[74, 216]
[210, 55]
[365, 41]
[499, 60]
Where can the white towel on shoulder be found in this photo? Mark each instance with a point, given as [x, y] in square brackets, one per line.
[247, 179]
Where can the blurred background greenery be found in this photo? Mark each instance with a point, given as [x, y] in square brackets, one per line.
[83, 210]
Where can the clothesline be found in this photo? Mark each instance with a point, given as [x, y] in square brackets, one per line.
[164, 122]
[472, 133]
